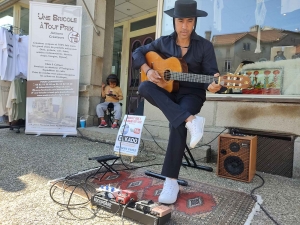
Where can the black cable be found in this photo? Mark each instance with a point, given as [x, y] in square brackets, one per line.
[207, 144]
[132, 168]
[65, 186]
[92, 140]
[254, 198]
[138, 167]
[128, 112]
[68, 184]
[154, 139]
[69, 207]
[148, 160]
[122, 215]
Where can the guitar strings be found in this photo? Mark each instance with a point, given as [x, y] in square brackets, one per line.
[189, 77]
[227, 80]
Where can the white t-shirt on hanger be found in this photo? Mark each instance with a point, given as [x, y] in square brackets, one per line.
[3, 51]
[22, 59]
[13, 52]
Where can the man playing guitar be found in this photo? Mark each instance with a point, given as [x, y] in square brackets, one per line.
[181, 107]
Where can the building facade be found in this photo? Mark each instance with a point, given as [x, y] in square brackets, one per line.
[265, 34]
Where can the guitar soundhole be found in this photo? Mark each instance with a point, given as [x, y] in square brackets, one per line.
[167, 75]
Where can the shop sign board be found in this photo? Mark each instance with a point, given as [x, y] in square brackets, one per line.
[53, 68]
[129, 135]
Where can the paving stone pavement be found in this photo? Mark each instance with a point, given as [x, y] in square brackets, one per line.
[29, 162]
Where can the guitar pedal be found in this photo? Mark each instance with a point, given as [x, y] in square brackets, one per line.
[124, 196]
[109, 191]
[160, 210]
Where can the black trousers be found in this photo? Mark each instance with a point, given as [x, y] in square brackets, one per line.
[177, 107]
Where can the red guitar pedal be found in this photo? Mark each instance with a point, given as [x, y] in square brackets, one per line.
[124, 196]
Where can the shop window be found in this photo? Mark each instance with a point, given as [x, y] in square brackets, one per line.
[117, 51]
[264, 32]
[65, 2]
[148, 41]
[227, 66]
[24, 21]
[135, 74]
[246, 46]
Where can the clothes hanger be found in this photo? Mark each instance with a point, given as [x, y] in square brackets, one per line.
[10, 29]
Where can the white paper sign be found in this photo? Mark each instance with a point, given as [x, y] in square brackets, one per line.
[53, 68]
[129, 135]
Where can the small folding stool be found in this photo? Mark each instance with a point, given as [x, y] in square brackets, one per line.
[103, 161]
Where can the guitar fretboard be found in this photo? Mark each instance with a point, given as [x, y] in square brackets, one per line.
[191, 77]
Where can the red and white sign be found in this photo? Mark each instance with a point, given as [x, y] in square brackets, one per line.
[129, 135]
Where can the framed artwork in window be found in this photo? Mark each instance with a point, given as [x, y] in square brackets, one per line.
[264, 81]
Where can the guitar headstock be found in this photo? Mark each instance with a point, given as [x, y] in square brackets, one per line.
[234, 81]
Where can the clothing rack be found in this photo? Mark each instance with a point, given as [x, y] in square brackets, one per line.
[18, 123]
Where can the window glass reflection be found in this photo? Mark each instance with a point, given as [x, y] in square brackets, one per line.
[24, 21]
[263, 33]
[117, 51]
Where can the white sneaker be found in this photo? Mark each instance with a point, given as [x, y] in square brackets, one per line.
[196, 129]
[170, 191]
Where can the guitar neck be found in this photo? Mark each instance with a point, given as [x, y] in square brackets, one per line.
[192, 77]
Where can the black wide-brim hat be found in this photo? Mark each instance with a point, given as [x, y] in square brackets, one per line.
[185, 9]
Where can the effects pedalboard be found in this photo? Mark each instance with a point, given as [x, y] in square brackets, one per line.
[124, 202]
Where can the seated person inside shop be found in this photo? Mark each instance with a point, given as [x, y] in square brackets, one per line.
[112, 93]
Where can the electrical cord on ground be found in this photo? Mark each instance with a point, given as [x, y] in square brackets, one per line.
[69, 207]
[154, 139]
[130, 96]
[142, 161]
[206, 144]
[137, 167]
[120, 146]
[262, 208]
[75, 185]
[93, 140]
[122, 215]
[70, 186]
[119, 152]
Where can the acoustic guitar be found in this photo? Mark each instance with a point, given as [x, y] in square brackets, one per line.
[174, 69]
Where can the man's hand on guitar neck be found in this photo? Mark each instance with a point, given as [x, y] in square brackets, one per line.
[213, 87]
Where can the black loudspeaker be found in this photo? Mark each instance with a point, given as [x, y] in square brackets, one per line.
[237, 157]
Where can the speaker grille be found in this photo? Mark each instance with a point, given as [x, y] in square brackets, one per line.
[234, 156]
[275, 151]
[275, 156]
[234, 165]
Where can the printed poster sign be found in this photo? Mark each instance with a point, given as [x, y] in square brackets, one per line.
[53, 69]
[264, 81]
[129, 135]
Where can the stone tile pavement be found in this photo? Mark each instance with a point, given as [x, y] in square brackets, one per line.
[28, 162]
